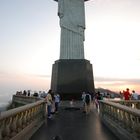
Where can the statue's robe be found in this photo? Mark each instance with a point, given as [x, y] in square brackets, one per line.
[72, 23]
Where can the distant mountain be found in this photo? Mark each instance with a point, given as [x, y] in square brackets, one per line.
[107, 92]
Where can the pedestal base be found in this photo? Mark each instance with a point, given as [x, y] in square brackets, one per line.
[70, 77]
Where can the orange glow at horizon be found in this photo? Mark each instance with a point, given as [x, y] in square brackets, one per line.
[117, 87]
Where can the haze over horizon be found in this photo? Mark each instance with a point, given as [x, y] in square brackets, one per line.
[30, 43]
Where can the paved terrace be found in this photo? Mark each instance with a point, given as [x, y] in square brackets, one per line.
[73, 124]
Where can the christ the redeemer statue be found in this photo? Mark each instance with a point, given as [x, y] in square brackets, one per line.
[72, 23]
[72, 73]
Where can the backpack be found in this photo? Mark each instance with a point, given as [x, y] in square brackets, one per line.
[87, 98]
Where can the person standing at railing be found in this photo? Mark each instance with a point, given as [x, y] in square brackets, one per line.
[134, 95]
[98, 97]
[121, 95]
[127, 94]
[28, 92]
[49, 103]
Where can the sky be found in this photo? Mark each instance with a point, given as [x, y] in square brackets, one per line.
[30, 43]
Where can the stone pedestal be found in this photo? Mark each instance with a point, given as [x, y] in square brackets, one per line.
[70, 77]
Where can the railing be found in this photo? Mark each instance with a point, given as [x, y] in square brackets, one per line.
[129, 103]
[122, 120]
[24, 99]
[21, 122]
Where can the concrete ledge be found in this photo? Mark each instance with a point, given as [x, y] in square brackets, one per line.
[120, 132]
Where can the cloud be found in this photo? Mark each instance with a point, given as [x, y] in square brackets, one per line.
[117, 84]
[117, 80]
[39, 75]
[4, 74]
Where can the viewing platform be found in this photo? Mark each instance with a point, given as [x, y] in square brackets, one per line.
[72, 124]
[113, 121]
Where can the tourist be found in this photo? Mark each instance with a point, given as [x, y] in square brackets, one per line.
[83, 99]
[87, 102]
[134, 95]
[53, 103]
[29, 93]
[121, 95]
[17, 93]
[35, 94]
[57, 101]
[49, 103]
[126, 94]
[24, 92]
[83, 96]
[96, 100]
[98, 97]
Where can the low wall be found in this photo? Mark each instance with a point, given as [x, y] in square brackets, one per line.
[129, 103]
[21, 99]
[122, 120]
[21, 122]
